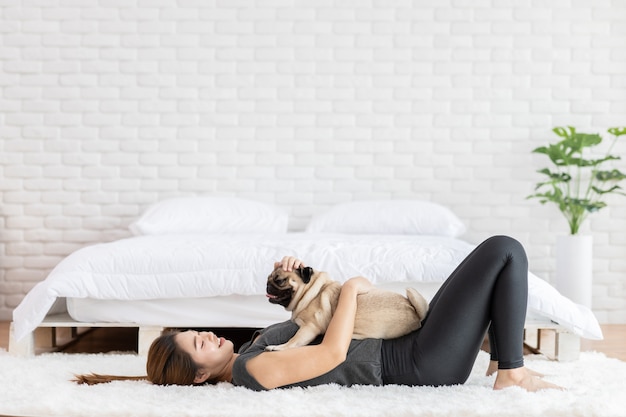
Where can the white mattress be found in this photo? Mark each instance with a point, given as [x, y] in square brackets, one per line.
[223, 311]
[192, 266]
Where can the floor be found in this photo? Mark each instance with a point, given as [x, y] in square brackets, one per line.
[125, 339]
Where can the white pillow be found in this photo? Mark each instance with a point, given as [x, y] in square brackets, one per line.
[210, 215]
[407, 217]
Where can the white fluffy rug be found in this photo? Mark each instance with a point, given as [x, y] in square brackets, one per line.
[40, 386]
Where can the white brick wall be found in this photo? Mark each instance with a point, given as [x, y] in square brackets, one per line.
[108, 106]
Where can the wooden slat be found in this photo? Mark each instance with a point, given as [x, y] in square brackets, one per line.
[64, 320]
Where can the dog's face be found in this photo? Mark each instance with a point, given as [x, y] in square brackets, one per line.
[283, 286]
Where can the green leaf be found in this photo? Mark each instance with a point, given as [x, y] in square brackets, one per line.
[584, 140]
[556, 176]
[613, 189]
[617, 131]
[612, 175]
[579, 205]
[557, 154]
[562, 132]
[581, 162]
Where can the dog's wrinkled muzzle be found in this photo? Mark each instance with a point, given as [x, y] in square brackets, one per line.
[276, 294]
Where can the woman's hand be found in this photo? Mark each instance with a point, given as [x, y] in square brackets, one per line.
[289, 263]
[360, 285]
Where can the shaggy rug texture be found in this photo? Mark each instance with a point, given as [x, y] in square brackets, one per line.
[40, 386]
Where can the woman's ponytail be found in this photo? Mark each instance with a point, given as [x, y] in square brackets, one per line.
[167, 364]
[94, 379]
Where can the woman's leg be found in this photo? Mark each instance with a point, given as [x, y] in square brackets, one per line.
[490, 287]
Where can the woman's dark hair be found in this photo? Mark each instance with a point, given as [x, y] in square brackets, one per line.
[167, 364]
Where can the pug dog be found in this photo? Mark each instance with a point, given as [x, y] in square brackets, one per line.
[312, 297]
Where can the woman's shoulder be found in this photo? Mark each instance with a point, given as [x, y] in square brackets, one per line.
[272, 335]
[275, 334]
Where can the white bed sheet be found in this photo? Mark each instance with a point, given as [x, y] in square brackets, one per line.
[198, 266]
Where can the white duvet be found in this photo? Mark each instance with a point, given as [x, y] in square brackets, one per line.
[197, 265]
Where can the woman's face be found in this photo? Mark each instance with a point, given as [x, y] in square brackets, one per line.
[209, 352]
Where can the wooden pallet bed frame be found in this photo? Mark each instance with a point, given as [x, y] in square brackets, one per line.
[46, 337]
[552, 340]
[561, 345]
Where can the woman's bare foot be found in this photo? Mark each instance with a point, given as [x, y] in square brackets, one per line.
[535, 373]
[493, 368]
[523, 378]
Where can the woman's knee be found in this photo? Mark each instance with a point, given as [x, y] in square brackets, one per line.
[507, 246]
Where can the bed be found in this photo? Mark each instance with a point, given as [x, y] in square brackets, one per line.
[203, 262]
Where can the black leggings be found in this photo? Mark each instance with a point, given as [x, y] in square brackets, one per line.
[488, 290]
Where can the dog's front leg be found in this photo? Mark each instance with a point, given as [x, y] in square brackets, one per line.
[303, 337]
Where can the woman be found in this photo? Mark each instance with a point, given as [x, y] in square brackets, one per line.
[487, 292]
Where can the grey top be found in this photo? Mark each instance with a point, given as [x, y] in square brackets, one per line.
[361, 367]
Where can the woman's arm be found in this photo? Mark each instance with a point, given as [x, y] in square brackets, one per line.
[276, 369]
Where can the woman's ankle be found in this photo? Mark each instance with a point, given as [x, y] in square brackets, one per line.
[492, 368]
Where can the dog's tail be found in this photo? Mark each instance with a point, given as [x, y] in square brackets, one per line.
[418, 302]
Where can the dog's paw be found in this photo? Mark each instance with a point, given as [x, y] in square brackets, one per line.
[274, 348]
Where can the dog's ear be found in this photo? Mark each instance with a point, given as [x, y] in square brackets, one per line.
[305, 274]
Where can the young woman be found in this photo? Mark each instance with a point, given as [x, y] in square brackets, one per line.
[487, 292]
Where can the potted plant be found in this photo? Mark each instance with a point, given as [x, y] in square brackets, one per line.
[577, 184]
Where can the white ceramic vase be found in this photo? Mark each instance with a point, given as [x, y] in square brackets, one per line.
[574, 267]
